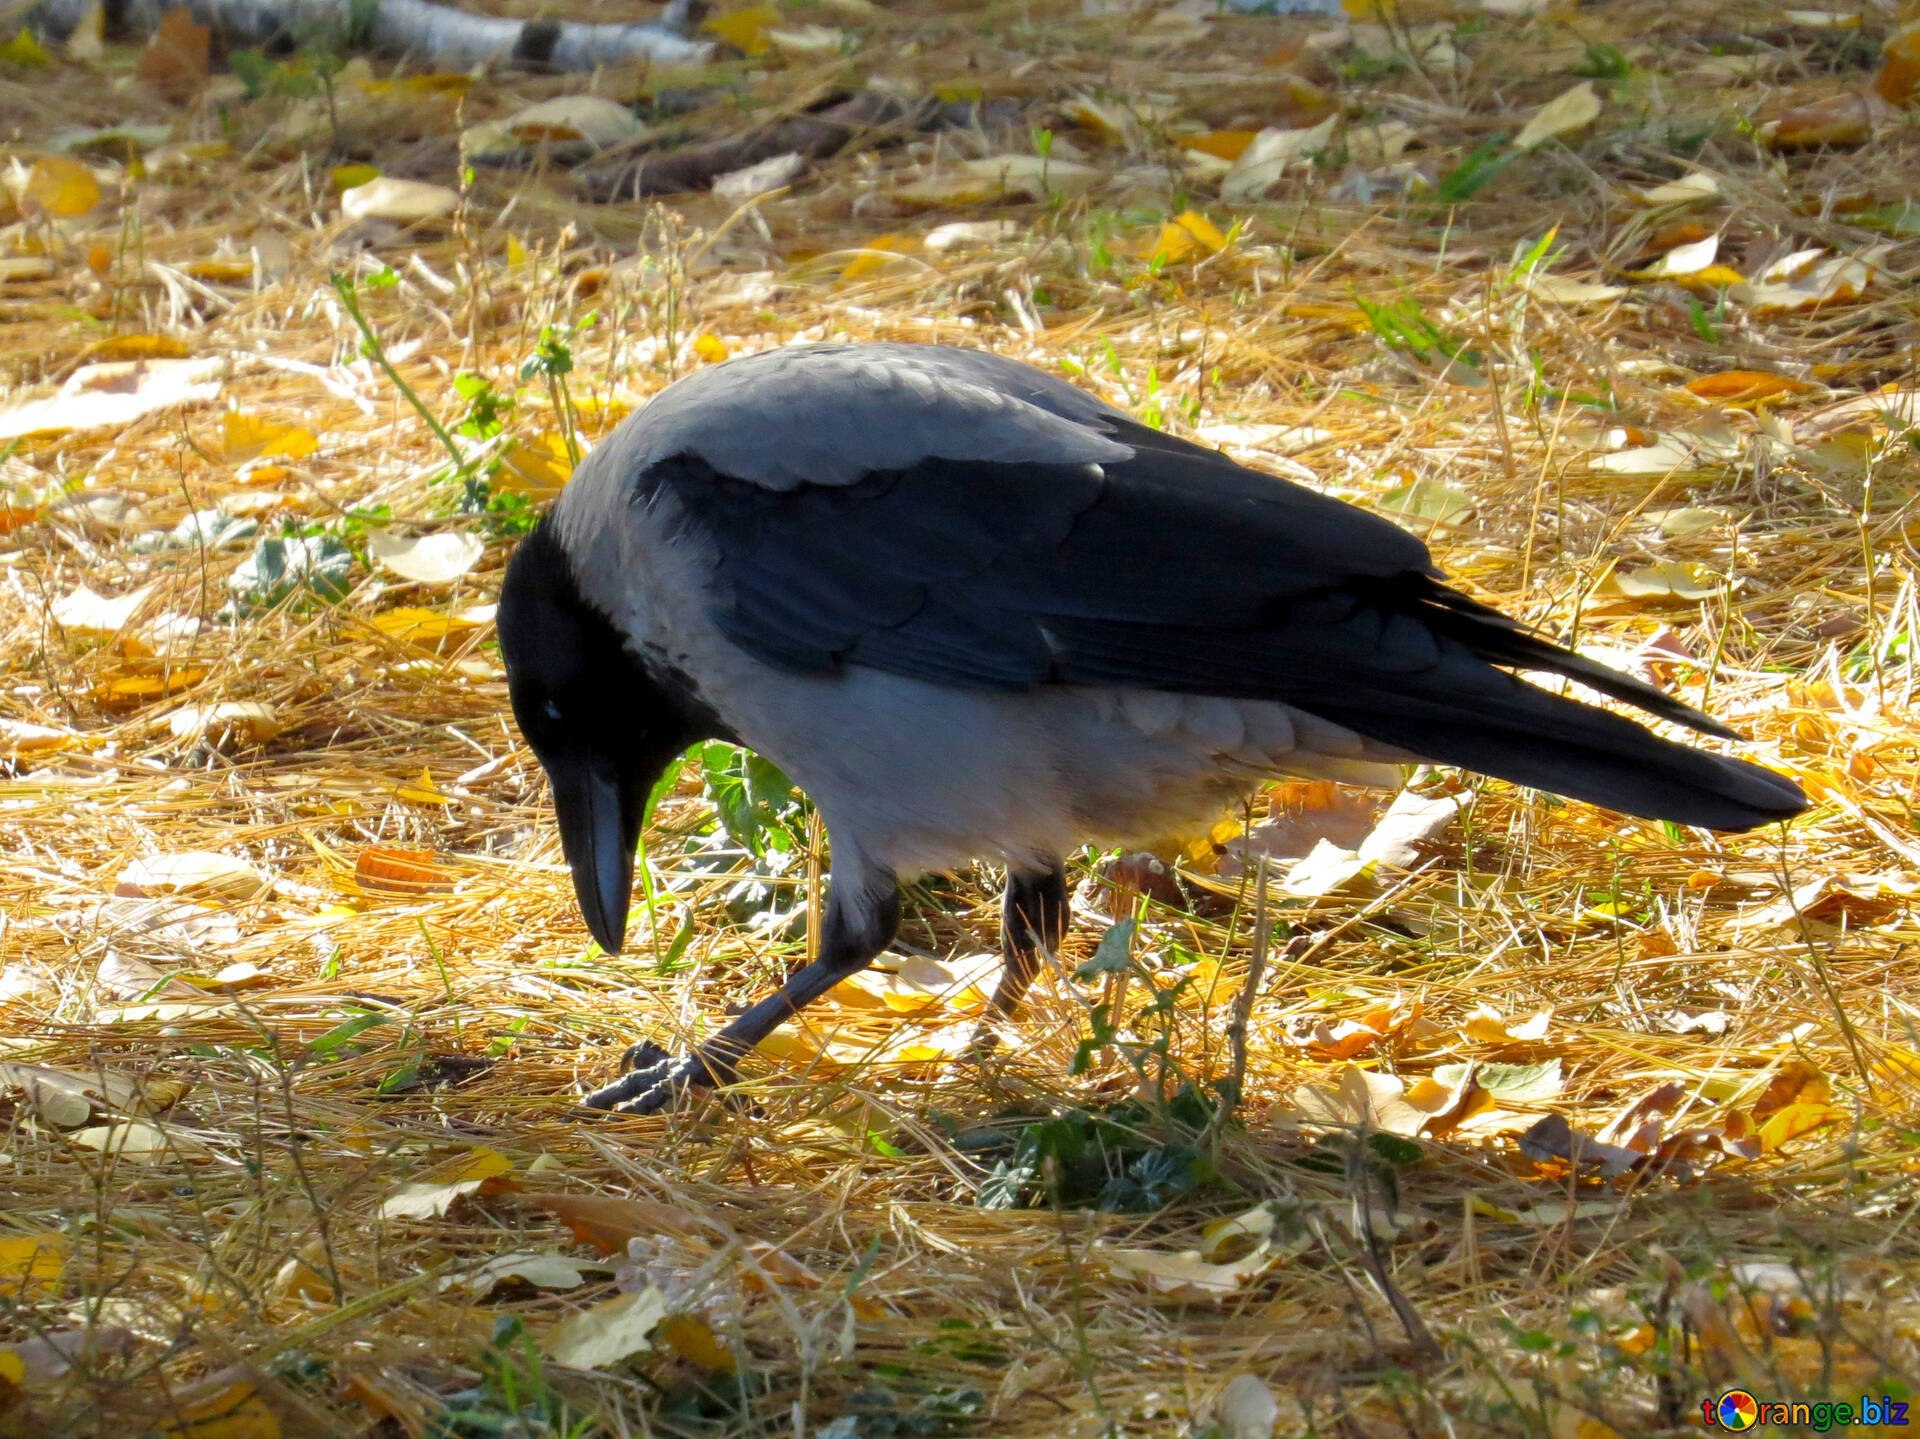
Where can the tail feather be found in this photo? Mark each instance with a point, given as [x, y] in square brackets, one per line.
[1503, 726]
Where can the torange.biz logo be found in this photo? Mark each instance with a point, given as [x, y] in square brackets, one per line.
[1738, 1410]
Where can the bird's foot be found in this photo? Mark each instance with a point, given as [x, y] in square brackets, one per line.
[655, 1080]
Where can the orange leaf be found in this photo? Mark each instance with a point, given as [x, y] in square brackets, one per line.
[693, 1339]
[1745, 387]
[1797, 1083]
[1898, 82]
[141, 681]
[1222, 144]
[404, 871]
[607, 1223]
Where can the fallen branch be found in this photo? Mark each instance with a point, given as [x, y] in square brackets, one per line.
[822, 130]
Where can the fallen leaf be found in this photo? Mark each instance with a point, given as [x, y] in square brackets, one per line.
[1565, 113]
[1689, 188]
[1745, 388]
[1669, 579]
[607, 1222]
[61, 187]
[89, 613]
[540, 469]
[877, 256]
[1807, 279]
[607, 1333]
[593, 119]
[201, 872]
[542, 1271]
[235, 724]
[422, 629]
[252, 437]
[178, 58]
[745, 29]
[811, 42]
[1564, 291]
[137, 1140]
[1429, 501]
[1685, 259]
[1898, 82]
[115, 394]
[1228, 145]
[225, 1405]
[1487, 1025]
[1839, 121]
[402, 202]
[47, 1357]
[1246, 1409]
[432, 1198]
[1186, 235]
[1552, 1139]
[1185, 1275]
[693, 1339]
[403, 871]
[31, 1265]
[1032, 177]
[1363, 1099]
[434, 559]
[1270, 155]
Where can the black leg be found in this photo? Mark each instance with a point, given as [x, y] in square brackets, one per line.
[859, 925]
[1033, 917]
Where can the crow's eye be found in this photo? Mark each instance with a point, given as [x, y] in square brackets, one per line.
[550, 710]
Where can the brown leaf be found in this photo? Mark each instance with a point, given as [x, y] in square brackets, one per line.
[178, 59]
[1839, 120]
[607, 1222]
[1552, 1139]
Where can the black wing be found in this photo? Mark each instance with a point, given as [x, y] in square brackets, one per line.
[1180, 570]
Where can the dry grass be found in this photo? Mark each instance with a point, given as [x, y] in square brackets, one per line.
[832, 1238]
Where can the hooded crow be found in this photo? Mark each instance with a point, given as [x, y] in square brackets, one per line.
[977, 613]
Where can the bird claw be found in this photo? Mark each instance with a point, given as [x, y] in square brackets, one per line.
[654, 1080]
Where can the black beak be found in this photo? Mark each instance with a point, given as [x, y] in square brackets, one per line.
[599, 828]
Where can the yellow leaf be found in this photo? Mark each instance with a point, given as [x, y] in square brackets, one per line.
[746, 30]
[249, 437]
[1792, 1121]
[1187, 234]
[139, 682]
[1669, 579]
[348, 177]
[878, 255]
[60, 186]
[1226, 145]
[31, 1264]
[227, 1405]
[423, 85]
[25, 51]
[431, 1198]
[710, 348]
[538, 469]
[135, 347]
[421, 628]
[425, 792]
[222, 271]
[693, 1339]
[1561, 115]
[516, 252]
[13, 1369]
